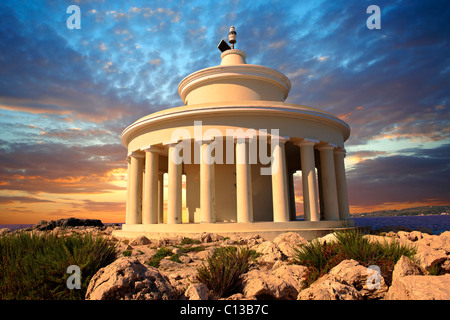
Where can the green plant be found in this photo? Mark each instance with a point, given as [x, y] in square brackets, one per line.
[189, 241]
[126, 253]
[175, 257]
[351, 244]
[158, 256]
[224, 268]
[34, 267]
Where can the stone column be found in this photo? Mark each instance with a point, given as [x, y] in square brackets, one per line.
[243, 182]
[309, 182]
[174, 185]
[127, 215]
[161, 197]
[341, 183]
[280, 196]
[207, 181]
[136, 174]
[328, 176]
[150, 196]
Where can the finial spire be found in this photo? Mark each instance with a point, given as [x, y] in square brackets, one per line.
[232, 36]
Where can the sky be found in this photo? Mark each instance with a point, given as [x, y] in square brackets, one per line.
[67, 94]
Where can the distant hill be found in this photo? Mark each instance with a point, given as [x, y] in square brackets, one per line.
[416, 211]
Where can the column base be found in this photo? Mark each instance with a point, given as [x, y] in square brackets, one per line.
[268, 230]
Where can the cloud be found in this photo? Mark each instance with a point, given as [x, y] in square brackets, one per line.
[13, 199]
[401, 178]
[60, 169]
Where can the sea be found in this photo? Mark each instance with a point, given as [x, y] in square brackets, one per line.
[436, 223]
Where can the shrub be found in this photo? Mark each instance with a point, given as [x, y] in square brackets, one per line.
[158, 256]
[224, 268]
[320, 258]
[34, 267]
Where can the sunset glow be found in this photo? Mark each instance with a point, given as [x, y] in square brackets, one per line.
[66, 95]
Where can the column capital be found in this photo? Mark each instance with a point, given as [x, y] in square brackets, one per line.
[152, 148]
[136, 154]
[306, 142]
[326, 146]
[282, 139]
[340, 151]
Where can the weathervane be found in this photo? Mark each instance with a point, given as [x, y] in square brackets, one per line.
[223, 46]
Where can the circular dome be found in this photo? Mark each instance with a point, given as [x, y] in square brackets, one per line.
[234, 80]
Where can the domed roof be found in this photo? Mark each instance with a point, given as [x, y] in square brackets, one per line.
[233, 80]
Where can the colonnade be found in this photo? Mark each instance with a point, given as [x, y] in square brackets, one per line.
[145, 184]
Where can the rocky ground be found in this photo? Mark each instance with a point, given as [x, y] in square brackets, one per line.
[273, 276]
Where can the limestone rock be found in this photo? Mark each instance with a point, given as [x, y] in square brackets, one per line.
[4, 231]
[269, 252]
[347, 281]
[429, 257]
[329, 238]
[292, 274]
[197, 291]
[140, 241]
[262, 285]
[416, 287]
[365, 280]
[405, 267]
[288, 242]
[207, 237]
[329, 288]
[128, 279]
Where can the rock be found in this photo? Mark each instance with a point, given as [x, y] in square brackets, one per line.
[405, 267]
[206, 237]
[288, 242]
[128, 279]
[270, 252]
[197, 291]
[250, 240]
[262, 285]
[369, 284]
[292, 274]
[349, 280]
[416, 287]
[4, 231]
[66, 223]
[140, 241]
[236, 296]
[329, 288]
[429, 257]
[75, 222]
[329, 238]
[176, 251]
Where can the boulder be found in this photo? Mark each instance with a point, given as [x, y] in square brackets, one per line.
[4, 231]
[288, 242]
[140, 241]
[329, 288]
[405, 267]
[428, 256]
[262, 285]
[43, 225]
[329, 238]
[347, 281]
[269, 252]
[128, 279]
[197, 291]
[207, 237]
[367, 281]
[293, 274]
[416, 287]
